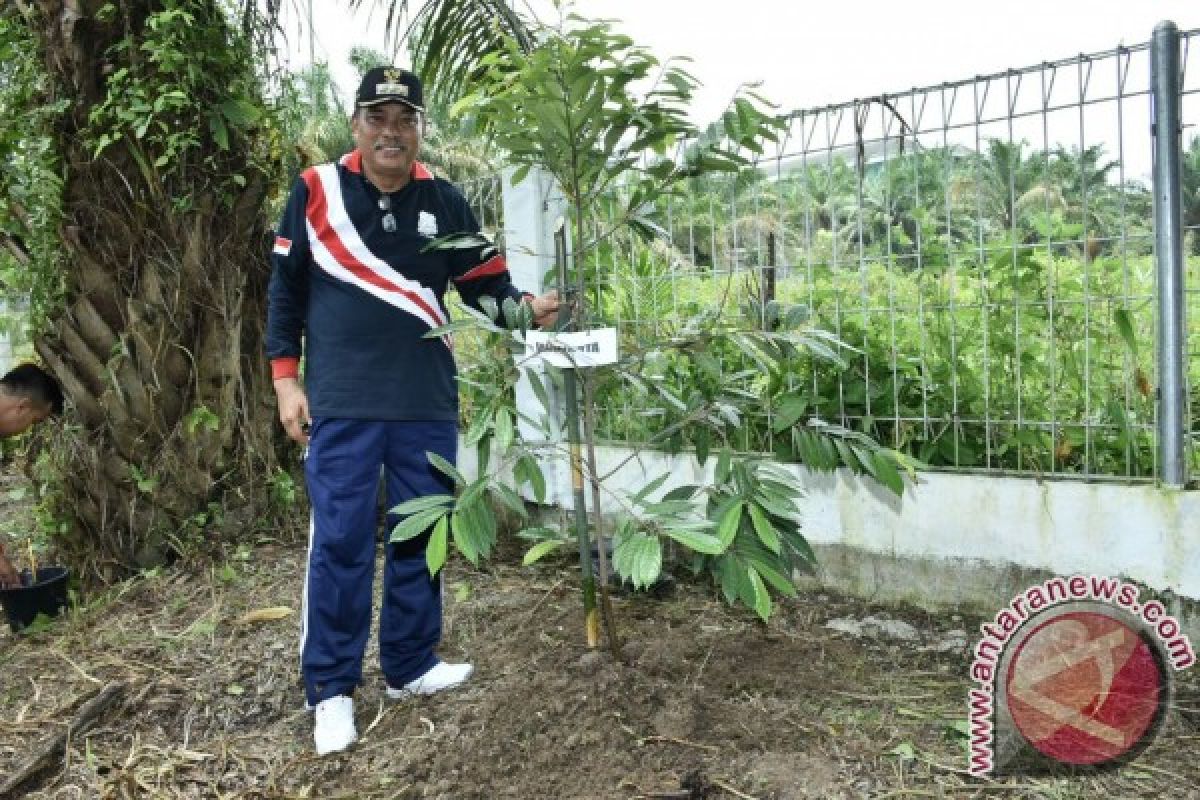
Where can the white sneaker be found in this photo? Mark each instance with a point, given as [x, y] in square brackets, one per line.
[440, 676]
[334, 729]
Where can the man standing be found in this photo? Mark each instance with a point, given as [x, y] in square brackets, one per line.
[28, 395]
[349, 278]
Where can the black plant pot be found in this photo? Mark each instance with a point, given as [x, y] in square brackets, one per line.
[48, 596]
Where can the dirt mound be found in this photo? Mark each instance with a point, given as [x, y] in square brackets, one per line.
[705, 703]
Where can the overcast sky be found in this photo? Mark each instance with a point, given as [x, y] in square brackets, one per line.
[809, 54]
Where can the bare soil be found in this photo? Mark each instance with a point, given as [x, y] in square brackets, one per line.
[706, 703]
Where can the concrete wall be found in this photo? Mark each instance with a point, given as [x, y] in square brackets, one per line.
[967, 541]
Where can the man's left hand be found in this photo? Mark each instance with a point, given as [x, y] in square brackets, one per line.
[545, 309]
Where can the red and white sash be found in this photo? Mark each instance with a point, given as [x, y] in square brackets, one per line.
[340, 251]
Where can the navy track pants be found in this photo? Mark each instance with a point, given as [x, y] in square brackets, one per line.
[342, 470]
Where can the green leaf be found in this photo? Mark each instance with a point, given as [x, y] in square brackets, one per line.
[774, 577]
[650, 487]
[1125, 327]
[520, 173]
[638, 557]
[466, 537]
[240, 112]
[527, 470]
[483, 455]
[668, 508]
[445, 467]
[684, 492]
[474, 523]
[473, 491]
[457, 241]
[727, 572]
[511, 310]
[721, 474]
[695, 540]
[422, 503]
[504, 431]
[763, 527]
[481, 423]
[845, 455]
[745, 586]
[885, 472]
[730, 519]
[459, 325]
[762, 598]
[539, 532]
[648, 565]
[540, 550]
[791, 409]
[414, 526]
[702, 440]
[539, 389]
[774, 504]
[509, 499]
[866, 459]
[220, 134]
[435, 551]
[803, 549]
[829, 455]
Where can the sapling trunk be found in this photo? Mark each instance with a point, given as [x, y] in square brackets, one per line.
[591, 621]
[592, 624]
[589, 435]
[579, 312]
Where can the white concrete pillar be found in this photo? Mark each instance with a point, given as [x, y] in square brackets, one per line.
[531, 210]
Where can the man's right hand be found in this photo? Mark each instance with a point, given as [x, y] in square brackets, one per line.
[9, 579]
[293, 408]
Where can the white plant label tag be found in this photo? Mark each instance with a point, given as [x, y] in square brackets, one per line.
[592, 348]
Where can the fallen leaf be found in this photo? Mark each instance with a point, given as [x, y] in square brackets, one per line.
[264, 615]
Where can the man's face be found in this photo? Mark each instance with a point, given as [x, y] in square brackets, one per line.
[20, 415]
[389, 137]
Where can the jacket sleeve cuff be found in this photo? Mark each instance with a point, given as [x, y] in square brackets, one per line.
[286, 367]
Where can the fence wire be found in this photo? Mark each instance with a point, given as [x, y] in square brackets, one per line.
[982, 247]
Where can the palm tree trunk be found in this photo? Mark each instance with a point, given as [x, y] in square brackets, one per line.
[158, 345]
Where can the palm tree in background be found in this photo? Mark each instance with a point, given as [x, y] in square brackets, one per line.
[1003, 175]
[326, 125]
[448, 38]
[1190, 178]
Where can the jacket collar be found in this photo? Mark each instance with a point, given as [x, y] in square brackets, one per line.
[353, 162]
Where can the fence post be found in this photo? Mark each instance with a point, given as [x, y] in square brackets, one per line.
[531, 209]
[1168, 254]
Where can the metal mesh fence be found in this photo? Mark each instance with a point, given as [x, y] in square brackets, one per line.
[484, 196]
[982, 247]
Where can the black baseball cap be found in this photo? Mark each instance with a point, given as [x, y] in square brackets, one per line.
[390, 85]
